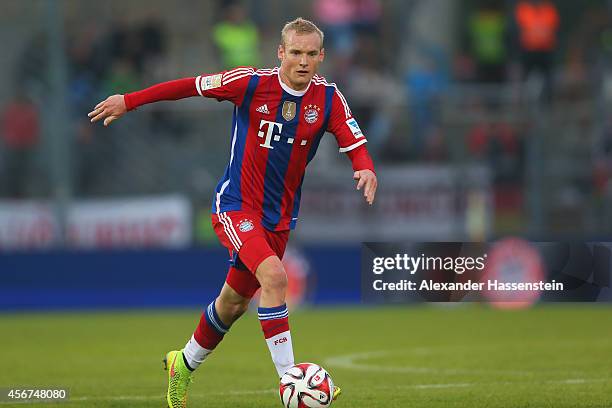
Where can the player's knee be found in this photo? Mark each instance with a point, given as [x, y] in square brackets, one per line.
[273, 278]
[230, 310]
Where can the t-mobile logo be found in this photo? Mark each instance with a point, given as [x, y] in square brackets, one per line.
[280, 341]
[268, 134]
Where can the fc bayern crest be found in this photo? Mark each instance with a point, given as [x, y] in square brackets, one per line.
[311, 115]
[245, 225]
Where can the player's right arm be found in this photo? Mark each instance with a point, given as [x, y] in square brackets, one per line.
[351, 141]
[229, 85]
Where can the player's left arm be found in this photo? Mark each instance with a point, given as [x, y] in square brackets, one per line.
[115, 106]
[352, 141]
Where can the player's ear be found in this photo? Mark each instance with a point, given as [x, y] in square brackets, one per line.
[322, 55]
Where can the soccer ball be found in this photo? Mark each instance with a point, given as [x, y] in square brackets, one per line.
[306, 385]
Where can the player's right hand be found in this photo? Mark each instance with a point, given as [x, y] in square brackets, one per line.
[110, 109]
[367, 179]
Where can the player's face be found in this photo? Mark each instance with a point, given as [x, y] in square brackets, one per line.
[300, 58]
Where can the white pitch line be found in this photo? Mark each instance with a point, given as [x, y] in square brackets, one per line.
[248, 392]
[349, 361]
[571, 381]
[574, 381]
[429, 386]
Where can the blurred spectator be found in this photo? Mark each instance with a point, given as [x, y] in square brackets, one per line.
[20, 134]
[237, 38]
[602, 167]
[126, 44]
[537, 23]
[426, 81]
[154, 41]
[375, 95]
[590, 49]
[498, 144]
[436, 147]
[32, 61]
[336, 19]
[368, 14]
[153, 38]
[83, 69]
[602, 175]
[487, 31]
[122, 77]
[344, 22]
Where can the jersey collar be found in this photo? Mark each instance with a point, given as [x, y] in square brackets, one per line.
[290, 91]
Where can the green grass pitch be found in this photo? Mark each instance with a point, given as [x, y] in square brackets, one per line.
[469, 356]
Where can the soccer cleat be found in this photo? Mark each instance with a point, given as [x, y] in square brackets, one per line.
[179, 378]
[337, 392]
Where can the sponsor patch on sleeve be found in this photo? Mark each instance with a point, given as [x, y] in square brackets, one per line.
[211, 82]
[354, 127]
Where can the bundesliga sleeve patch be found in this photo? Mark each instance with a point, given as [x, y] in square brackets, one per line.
[354, 127]
[211, 82]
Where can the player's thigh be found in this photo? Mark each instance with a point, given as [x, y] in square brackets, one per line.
[252, 249]
[245, 238]
[269, 269]
[278, 241]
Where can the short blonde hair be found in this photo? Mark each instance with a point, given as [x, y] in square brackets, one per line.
[301, 26]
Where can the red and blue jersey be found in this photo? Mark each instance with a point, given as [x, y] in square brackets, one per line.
[275, 133]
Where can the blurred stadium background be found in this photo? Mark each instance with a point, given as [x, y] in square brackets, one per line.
[484, 122]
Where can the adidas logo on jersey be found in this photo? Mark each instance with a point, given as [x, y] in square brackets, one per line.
[263, 109]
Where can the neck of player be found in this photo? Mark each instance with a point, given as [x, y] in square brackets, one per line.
[285, 79]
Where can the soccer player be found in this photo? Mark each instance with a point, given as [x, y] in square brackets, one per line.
[280, 115]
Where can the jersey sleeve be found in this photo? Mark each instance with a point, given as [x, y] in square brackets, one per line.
[165, 91]
[225, 86]
[343, 125]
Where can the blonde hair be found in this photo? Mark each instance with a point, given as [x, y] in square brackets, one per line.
[301, 26]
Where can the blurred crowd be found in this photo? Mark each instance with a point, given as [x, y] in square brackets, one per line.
[552, 58]
[100, 61]
[510, 64]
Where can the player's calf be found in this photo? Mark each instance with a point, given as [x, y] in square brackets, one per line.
[273, 313]
[214, 324]
[230, 305]
[205, 338]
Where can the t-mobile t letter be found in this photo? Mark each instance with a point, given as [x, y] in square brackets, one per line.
[269, 133]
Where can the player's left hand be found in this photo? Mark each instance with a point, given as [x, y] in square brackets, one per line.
[366, 179]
